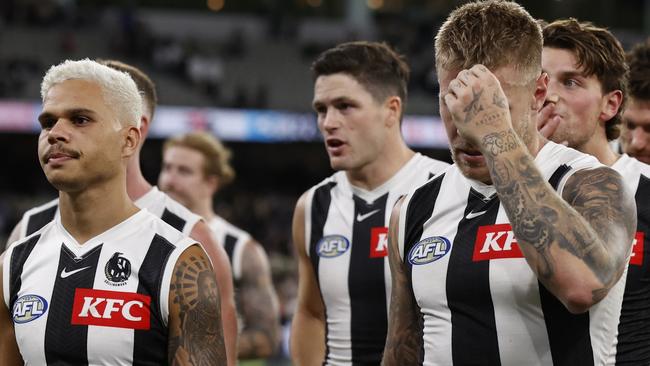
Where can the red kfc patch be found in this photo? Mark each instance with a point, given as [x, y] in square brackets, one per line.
[637, 249]
[495, 242]
[378, 242]
[111, 309]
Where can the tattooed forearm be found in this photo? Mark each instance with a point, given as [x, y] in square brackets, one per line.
[540, 219]
[200, 339]
[499, 142]
[404, 341]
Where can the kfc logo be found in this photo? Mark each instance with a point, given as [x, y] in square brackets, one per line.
[636, 258]
[495, 242]
[111, 309]
[378, 242]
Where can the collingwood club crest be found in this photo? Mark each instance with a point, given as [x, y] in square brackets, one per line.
[117, 270]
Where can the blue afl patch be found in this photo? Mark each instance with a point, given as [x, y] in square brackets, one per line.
[332, 246]
[429, 250]
[28, 308]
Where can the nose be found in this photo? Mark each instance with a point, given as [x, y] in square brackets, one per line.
[58, 133]
[330, 121]
[638, 139]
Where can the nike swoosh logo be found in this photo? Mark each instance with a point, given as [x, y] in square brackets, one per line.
[473, 214]
[65, 274]
[361, 217]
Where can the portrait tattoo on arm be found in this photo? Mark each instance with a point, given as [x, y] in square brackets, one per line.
[200, 341]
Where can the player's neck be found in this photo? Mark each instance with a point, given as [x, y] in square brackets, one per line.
[601, 150]
[383, 168]
[91, 212]
[136, 185]
[203, 208]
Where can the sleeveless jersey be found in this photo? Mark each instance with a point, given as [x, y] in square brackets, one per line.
[101, 303]
[155, 201]
[346, 231]
[233, 239]
[634, 328]
[479, 301]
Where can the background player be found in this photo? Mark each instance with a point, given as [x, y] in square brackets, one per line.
[195, 167]
[70, 291]
[586, 93]
[635, 134]
[340, 225]
[147, 196]
[526, 240]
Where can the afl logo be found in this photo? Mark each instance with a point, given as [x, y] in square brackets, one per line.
[429, 250]
[28, 308]
[117, 270]
[332, 246]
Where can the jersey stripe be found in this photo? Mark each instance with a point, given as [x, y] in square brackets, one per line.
[40, 219]
[18, 257]
[229, 246]
[634, 329]
[174, 220]
[557, 175]
[148, 343]
[319, 210]
[62, 339]
[471, 304]
[368, 292]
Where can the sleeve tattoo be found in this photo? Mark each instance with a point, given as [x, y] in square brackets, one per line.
[200, 340]
[539, 221]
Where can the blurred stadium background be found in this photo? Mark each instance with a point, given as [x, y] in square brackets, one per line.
[238, 68]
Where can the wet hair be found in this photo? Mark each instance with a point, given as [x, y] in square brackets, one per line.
[216, 157]
[493, 33]
[377, 67]
[597, 53]
[118, 89]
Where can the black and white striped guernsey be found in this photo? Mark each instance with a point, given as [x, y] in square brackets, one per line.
[634, 328]
[101, 303]
[346, 232]
[233, 240]
[155, 201]
[479, 301]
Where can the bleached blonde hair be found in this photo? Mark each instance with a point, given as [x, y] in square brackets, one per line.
[494, 33]
[118, 89]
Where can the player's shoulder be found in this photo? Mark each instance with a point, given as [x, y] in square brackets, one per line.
[154, 226]
[628, 167]
[218, 223]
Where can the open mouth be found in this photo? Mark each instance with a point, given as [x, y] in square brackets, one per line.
[334, 143]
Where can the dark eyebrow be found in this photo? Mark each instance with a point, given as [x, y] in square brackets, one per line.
[68, 112]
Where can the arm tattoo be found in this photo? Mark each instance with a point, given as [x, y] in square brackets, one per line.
[257, 300]
[539, 220]
[404, 341]
[201, 335]
[500, 142]
[474, 107]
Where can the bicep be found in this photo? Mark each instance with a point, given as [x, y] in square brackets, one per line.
[195, 334]
[603, 200]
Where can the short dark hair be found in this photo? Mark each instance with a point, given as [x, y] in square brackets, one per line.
[639, 61]
[598, 53]
[376, 66]
[145, 85]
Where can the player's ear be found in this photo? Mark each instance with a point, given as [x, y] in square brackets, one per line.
[394, 106]
[541, 88]
[132, 138]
